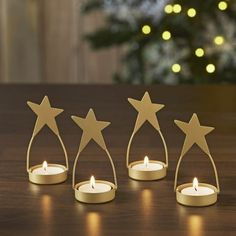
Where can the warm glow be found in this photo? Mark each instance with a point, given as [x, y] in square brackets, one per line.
[45, 165]
[176, 68]
[93, 224]
[146, 29]
[219, 40]
[166, 35]
[46, 208]
[195, 183]
[191, 12]
[222, 5]
[168, 9]
[147, 204]
[177, 8]
[92, 182]
[199, 52]
[210, 68]
[195, 225]
[146, 161]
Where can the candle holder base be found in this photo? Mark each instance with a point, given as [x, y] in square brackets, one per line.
[95, 197]
[196, 201]
[47, 179]
[147, 175]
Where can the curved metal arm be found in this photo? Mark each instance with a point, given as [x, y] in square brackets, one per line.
[64, 150]
[165, 147]
[110, 159]
[130, 142]
[28, 152]
[128, 149]
[113, 167]
[214, 167]
[30, 145]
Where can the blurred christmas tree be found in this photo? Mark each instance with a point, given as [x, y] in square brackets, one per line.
[169, 41]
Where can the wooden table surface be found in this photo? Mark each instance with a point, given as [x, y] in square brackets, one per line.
[140, 208]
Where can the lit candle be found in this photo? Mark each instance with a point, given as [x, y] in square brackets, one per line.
[46, 169]
[197, 190]
[93, 187]
[147, 166]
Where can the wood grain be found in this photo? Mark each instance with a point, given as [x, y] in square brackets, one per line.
[140, 208]
[43, 41]
[19, 48]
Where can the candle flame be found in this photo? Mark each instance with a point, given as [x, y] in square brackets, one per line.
[146, 161]
[45, 165]
[92, 182]
[195, 184]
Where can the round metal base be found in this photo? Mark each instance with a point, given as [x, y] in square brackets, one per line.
[196, 201]
[95, 197]
[47, 179]
[147, 175]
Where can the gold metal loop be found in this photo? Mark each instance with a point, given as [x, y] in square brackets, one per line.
[214, 167]
[30, 145]
[130, 142]
[110, 159]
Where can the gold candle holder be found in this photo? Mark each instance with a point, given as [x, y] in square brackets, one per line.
[93, 191]
[46, 173]
[195, 194]
[146, 170]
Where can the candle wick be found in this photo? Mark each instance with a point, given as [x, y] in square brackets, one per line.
[195, 189]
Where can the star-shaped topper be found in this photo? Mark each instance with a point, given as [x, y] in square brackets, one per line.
[195, 133]
[146, 111]
[91, 129]
[46, 115]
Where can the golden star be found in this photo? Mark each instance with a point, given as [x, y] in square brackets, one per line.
[46, 115]
[195, 133]
[91, 129]
[146, 111]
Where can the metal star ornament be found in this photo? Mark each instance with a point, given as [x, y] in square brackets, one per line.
[146, 111]
[45, 115]
[195, 134]
[92, 129]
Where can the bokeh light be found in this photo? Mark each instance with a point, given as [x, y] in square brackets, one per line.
[210, 68]
[176, 68]
[166, 35]
[191, 12]
[199, 52]
[146, 29]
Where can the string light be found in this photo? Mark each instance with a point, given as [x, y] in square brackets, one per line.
[146, 29]
[166, 35]
[168, 9]
[176, 68]
[210, 68]
[222, 5]
[177, 8]
[191, 12]
[199, 52]
[219, 40]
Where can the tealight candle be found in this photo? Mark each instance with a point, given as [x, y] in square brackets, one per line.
[147, 169]
[197, 190]
[94, 187]
[196, 194]
[47, 173]
[48, 170]
[147, 166]
[95, 191]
